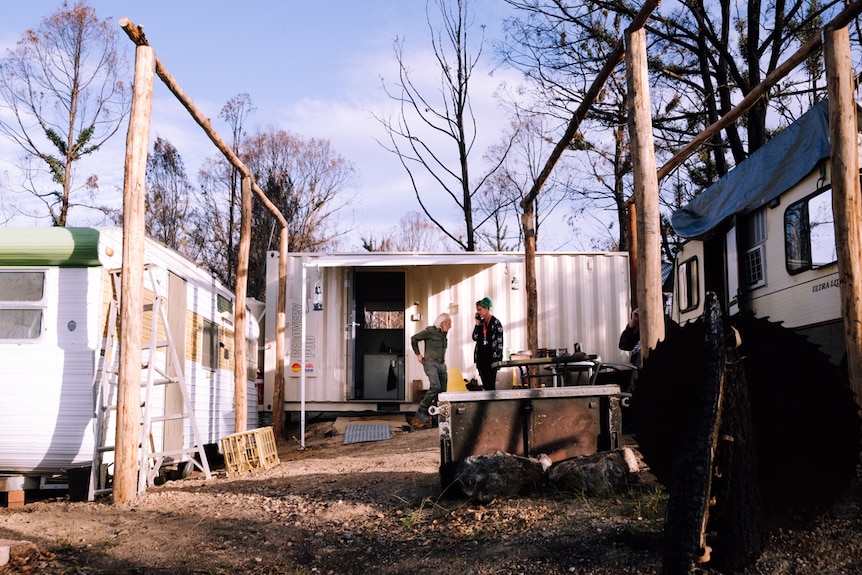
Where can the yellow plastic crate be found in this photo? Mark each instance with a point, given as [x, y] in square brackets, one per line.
[249, 450]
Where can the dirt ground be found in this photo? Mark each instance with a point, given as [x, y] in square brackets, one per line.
[375, 508]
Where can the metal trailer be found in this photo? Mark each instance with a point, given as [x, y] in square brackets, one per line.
[560, 422]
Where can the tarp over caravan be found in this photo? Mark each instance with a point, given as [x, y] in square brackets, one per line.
[775, 168]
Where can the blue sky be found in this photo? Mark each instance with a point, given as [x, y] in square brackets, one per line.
[312, 68]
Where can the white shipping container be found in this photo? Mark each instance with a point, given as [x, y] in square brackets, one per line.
[349, 298]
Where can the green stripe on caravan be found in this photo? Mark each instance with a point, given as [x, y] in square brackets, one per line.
[64, 247]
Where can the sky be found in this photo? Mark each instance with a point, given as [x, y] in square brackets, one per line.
[311, 68]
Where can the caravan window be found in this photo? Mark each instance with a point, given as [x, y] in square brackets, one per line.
[210, 345]
[809, 233]
[753, 238]
[21, 295]
[688, 286]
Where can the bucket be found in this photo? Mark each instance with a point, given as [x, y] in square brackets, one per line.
[79, 483]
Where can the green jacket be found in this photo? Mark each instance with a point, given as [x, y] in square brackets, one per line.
[435, 343]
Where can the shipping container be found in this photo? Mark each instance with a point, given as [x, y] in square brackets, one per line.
[356, 313]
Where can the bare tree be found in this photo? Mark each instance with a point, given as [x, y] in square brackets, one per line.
[424, 120]
[308, 181]
[234, 114]
[414, 233]
[523, 150]
[169, 198]
[63, 86]
[212, 229]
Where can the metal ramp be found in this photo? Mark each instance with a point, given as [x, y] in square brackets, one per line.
[160, 352]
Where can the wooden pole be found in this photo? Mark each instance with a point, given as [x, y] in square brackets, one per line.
[527, 204]
[280, 327]
[846, 203]
[136, 35]
[128, 434]
[240, 368]
[645, 193]
[631, 232]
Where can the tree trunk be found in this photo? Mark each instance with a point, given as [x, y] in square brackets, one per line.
[845, 195]
[240, 369]
[128, 434]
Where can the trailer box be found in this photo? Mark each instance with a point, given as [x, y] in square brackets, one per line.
[560, 422]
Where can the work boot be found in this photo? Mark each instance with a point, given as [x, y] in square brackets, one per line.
[417, 423]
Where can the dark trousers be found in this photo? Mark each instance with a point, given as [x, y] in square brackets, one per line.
[487, 374]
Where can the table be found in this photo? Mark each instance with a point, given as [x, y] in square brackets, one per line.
[558, 366]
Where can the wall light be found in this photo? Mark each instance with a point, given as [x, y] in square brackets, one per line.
[415, 316]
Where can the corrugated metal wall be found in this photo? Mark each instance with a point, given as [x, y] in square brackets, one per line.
[582, 297]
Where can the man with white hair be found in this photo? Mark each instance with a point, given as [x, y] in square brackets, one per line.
[433, 360]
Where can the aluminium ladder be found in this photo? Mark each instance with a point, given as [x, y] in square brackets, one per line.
[160, 354]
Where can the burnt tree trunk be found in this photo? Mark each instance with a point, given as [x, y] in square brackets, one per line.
[691, 479]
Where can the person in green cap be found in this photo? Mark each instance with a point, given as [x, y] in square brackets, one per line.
[433, 361]
[488, 335]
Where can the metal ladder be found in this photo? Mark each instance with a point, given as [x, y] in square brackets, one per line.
[161, 353]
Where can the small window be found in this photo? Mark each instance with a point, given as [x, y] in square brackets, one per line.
[754, 236]
[688, 285]
[809, 233]
[752, 267]
[210, 345]
[384, 315]
[21, 309]
[223, 304]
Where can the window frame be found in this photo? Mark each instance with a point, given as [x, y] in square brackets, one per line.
[799, 250]
[26, 305]
[689, 282]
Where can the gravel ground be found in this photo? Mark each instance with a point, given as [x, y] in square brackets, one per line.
[375, 508]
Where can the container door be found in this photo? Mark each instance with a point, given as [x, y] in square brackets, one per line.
[380, 310]
[350, 325]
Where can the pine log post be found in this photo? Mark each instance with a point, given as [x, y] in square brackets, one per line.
[846, 205]
[128, 434]
[136, 35]
[645, 179]
[280, 335]
[240, 367]
[631, 233]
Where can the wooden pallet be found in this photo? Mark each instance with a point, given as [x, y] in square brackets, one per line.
[249, 450]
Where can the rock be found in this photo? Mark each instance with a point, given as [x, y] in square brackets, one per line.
[483, 478]
[597, 473]
[17, 551]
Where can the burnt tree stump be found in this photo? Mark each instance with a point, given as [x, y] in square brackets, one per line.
[786, 444]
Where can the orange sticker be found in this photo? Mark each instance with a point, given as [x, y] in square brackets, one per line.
[296, 367]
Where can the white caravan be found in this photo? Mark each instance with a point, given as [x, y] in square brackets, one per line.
[56, 291]
[762, 238]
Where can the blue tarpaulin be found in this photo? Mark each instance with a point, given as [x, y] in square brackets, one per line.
[769, 172]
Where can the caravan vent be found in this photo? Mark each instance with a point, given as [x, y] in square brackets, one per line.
[752, 267]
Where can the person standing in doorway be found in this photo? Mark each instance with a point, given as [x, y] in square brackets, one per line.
[433, 360]
[488, 335]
